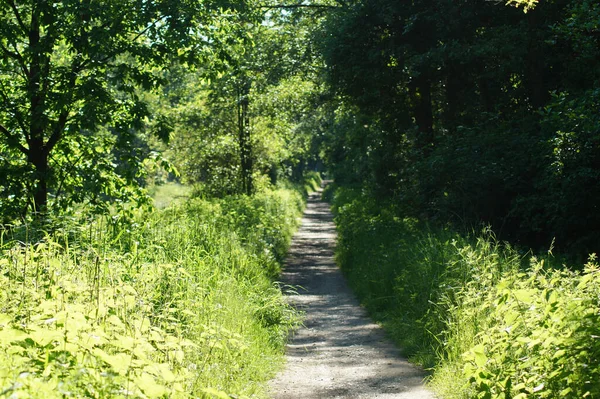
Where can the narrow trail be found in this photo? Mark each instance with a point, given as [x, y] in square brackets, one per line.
[340, 352]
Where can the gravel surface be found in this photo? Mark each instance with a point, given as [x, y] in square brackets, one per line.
[340, 352]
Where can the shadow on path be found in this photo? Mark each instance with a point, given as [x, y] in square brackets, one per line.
[340, 352]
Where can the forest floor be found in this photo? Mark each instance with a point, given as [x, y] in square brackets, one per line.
[339, 352]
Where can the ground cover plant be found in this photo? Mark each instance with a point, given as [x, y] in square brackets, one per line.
[487, 320]
[174, 303]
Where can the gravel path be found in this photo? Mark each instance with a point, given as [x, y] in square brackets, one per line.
[340, 352]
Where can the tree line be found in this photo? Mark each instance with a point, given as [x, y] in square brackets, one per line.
[473, 111]
[462, 111]
[102, 99]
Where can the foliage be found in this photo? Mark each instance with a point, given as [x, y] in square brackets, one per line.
[216, 95]
[490, 322]
[537, 334]
[526, 4]
[253, 121]
[71, 74]
[464, 110]
[203, 147]
[177, 303]
[312, 181]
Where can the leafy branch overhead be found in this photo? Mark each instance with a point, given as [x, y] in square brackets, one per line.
[527, 5]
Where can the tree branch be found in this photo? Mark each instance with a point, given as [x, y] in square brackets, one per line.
[58, 130]
[13, 140]
[63, 118]
[18, 16]
[18, 116]
[133, 40]
[65, 173]
[286, 6]
[12, 55]
[153, 24]
[16, 56]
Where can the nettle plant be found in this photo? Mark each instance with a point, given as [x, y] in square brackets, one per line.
[542, 336]
[177, 303]
[64, 333]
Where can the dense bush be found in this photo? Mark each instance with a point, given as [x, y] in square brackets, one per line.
[177, 303]
[489, 321]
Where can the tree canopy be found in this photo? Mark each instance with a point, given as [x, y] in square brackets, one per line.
[471, 111]
[70, 80]
[461, 111]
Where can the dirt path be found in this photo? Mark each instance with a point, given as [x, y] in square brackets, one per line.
[340, 353]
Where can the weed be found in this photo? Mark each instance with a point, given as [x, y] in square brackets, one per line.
[175, 303]
[486, 323]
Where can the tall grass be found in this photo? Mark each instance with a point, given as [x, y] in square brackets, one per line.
[487, 321]
[168, 193]
[175, 303]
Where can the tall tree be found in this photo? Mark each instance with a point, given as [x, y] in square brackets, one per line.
[262, 100]
[70, 67]
[471, 111]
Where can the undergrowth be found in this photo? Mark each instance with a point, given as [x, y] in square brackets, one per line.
[176, 303]
[487, 321]
[311, 182]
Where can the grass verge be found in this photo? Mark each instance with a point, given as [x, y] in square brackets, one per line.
[487, 321]
[177, 303]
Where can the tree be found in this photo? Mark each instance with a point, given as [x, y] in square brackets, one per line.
[464, 110]
[70, 68]
[253, 119]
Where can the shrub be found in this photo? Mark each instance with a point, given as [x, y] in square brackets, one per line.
[488, 321]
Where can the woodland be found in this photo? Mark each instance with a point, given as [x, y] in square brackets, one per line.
[463, 139]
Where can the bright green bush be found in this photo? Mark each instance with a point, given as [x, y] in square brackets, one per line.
[488, 323]
[312, 181]
[538, 335]
[179, 303]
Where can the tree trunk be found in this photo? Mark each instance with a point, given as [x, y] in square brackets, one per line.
[37, 154]
[39, 159]
[246, 162]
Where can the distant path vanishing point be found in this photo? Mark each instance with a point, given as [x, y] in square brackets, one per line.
[340, 352]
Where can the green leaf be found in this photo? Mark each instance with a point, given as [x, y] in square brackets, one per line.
[566, 391]
[524, 295]
[480, 357]
[216, 393]
[5, 320]
[149, 386]
[43, 337]
[124, 341]
[8, 335]
[120, 362]
[161, 370]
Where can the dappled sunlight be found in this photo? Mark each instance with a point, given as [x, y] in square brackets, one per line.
[339, 352]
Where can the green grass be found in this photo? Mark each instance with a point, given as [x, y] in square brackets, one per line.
[487, 321]
[176, 303]
[170, 193]
[312, 181]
